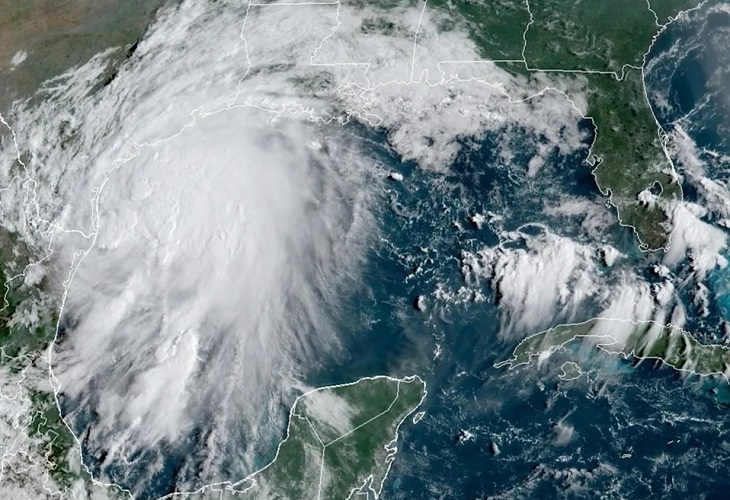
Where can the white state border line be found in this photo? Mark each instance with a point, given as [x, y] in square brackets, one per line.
[34, 219]
[661, 134]
[324, 449]
[232, 487]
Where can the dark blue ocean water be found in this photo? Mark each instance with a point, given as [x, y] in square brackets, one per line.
[622, 430]
[690, 68]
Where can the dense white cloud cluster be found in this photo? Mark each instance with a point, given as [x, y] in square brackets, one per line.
[546, 280]
[714, 193]
[24, 469]
[212, 207]
[702, 243]
[218, 255]
[209, 244]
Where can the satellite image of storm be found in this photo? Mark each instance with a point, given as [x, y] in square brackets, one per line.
[364, 249]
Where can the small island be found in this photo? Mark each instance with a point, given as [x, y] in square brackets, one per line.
[570, 371]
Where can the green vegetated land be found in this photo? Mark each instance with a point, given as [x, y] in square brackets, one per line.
[18, 337]
[632, 159]
[582, 39]
[642, 340]
[27, 327]
[588, 34]
[666, 9]
[339, 440]
[496, 26]
[56, 440]
[58, 447]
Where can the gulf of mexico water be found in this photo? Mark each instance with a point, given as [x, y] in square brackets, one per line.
[623, 429]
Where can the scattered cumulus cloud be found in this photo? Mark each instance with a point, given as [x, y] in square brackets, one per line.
[211, 209]
[698, 241]
[18, 58]
[546, 279]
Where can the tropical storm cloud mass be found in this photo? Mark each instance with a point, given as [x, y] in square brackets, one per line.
[260, 231]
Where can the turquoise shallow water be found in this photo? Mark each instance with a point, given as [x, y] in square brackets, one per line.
[720, 284]
[621, 430]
